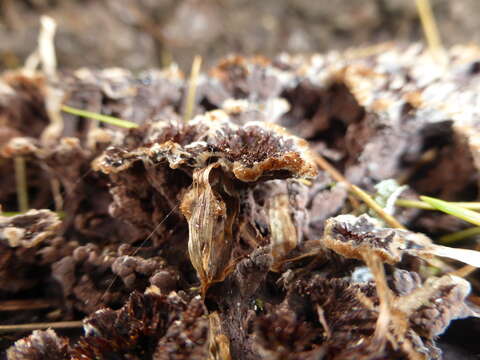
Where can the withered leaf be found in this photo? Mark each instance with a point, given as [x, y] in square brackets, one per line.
[282, 228]
[210, 212]
[219, 344]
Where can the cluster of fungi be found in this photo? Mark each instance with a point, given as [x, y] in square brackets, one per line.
[218, 237]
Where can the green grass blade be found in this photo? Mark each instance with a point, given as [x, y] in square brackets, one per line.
[413, 204]
[468, 205]
[103, 118]
[61, 214]
[423, 205]
[459, 235]
[453, 209]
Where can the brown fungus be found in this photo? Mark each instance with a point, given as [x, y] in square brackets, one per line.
[92, 277]
[355, 237]
[244, 86]
[222, 159]
[283, 294]
[29, 243]
[40, 345]
[29, 229]
[336, 319]
[149, 325]
[429, 307]
[252, 152]
[68, 163]
[432, 307]
[22, 105]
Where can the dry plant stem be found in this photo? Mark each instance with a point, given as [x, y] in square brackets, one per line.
[425, 158]
[29, 304]
[323, 321]
[46, 47]
[44, 54]
[474, 299]
[384, 294]
[21, 183]
[464, 271]
[57, 194]
[363, 52]
[192, 88]
[166, 57]
[389, 219]
[335, 174]
[467, 256]
[430, 28]
[38, 326]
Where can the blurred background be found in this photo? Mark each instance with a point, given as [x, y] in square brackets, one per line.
[139, 34]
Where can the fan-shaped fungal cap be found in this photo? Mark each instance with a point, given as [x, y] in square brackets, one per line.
[29, 229]
[352, 237]
[252, 152]
[433, 306]
[40, 345]
[148, 326]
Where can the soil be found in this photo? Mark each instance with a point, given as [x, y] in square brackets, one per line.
[144, 33]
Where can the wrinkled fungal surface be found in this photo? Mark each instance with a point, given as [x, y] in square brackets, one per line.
[29, 244]
[219, 237]
[353, 237]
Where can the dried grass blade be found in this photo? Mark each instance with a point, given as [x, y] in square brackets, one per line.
[389, 219]
[21, 183]
[192, 87]
[37, 326]
[430, 28]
